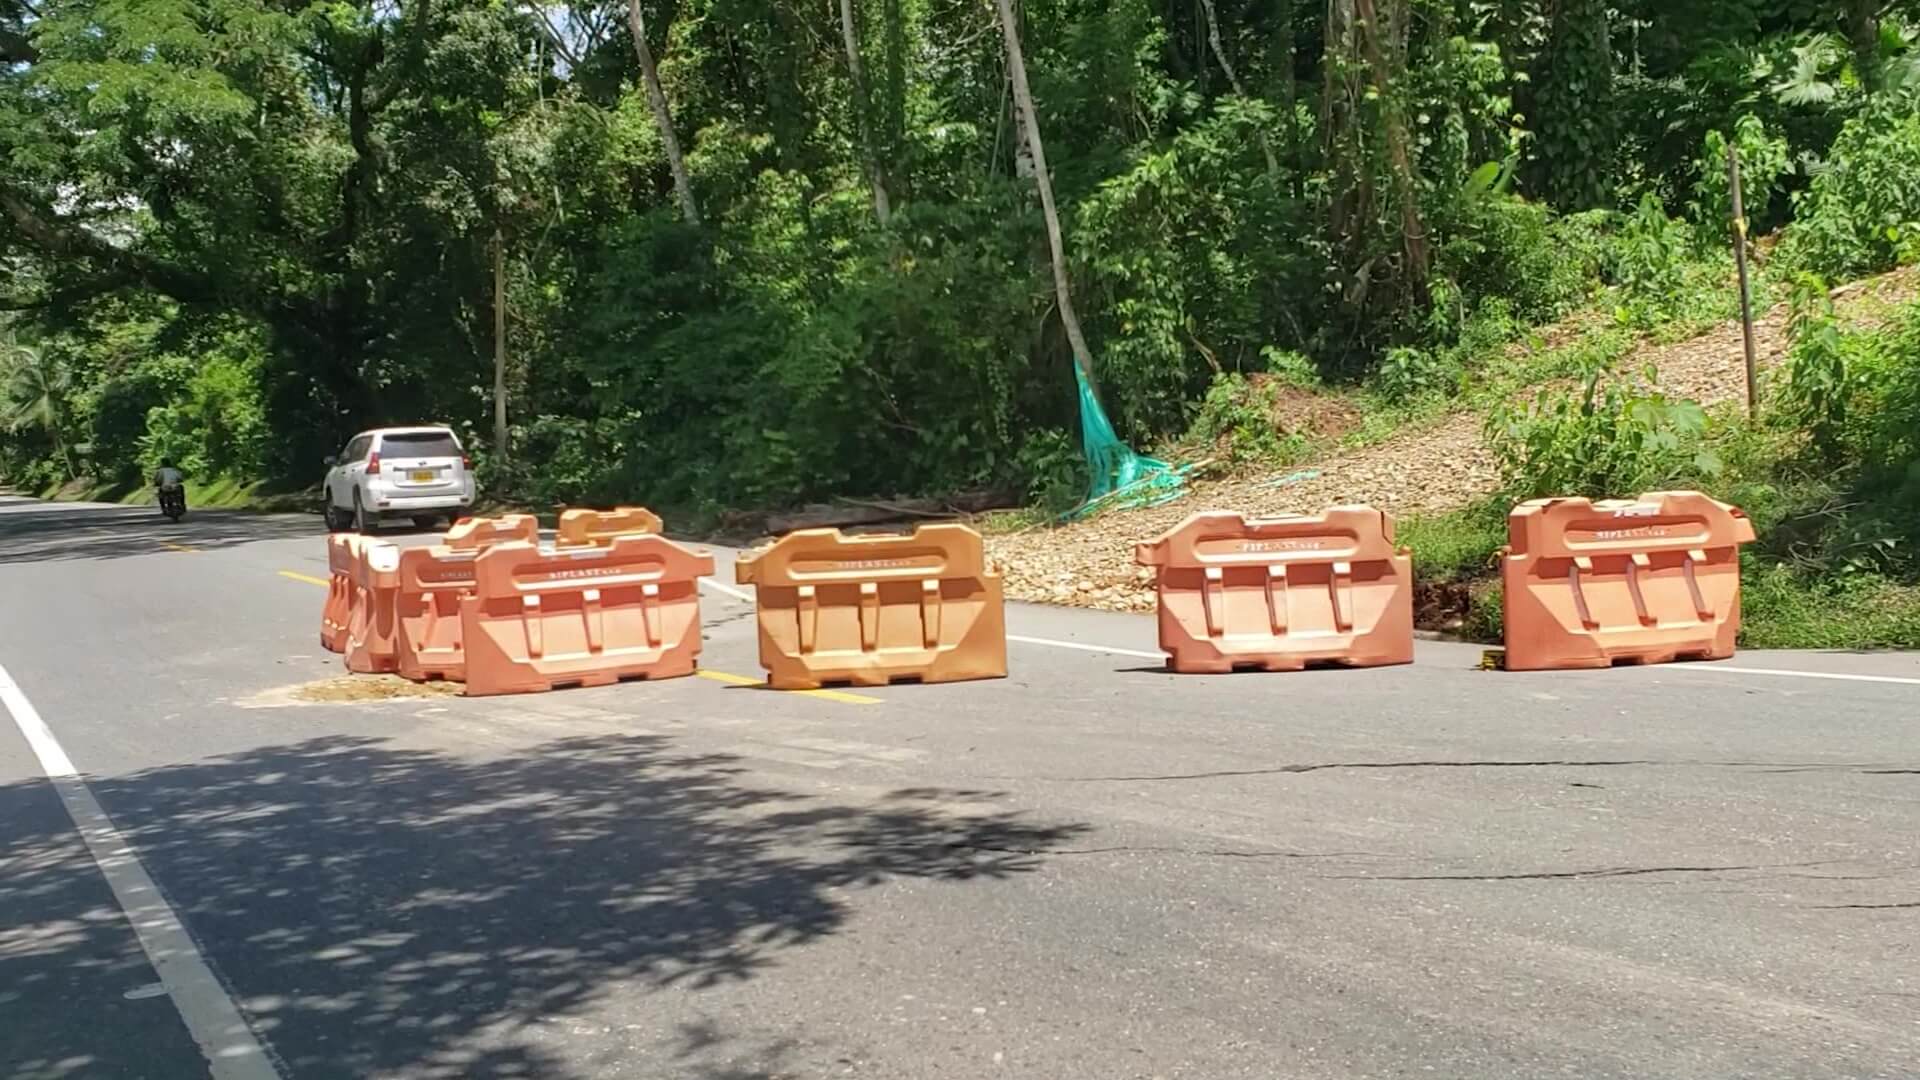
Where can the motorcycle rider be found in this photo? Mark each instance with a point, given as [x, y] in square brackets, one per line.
[168, 477]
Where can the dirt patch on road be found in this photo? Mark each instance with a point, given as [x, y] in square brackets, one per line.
[348, 689]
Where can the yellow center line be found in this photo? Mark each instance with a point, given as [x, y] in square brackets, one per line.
[291, 576]
[171, 546]
[828, 695]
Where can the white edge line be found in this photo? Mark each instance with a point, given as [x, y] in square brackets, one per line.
[737, 594]
[741, 594]
[232, 1050]
[1078, 646]
[1788, 673]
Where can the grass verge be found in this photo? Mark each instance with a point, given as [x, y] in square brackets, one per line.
[221, 493]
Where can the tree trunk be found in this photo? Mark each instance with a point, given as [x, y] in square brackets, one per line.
[499, 347]
[1281, 62]
[893, 96]
[1233, 80]
[863, 115]
[1335, 42]
[1023, 106]
[662, 115]
[1022, 146]
[1347, 192]
[1399, 157]
[1863, 30]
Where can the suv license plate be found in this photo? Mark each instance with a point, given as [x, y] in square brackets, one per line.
[423, 476]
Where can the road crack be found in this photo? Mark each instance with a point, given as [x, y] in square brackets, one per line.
[1220, 853]
[1561, 763]
[1323, 766]
[1575, 875]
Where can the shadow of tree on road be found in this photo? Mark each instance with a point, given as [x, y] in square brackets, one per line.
[52, 532]
[383, 911]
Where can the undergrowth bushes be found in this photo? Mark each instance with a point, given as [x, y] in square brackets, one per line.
[1829, 476]
[1862, 212]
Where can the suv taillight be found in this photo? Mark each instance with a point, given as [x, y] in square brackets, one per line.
[466, 462]
[373, 463]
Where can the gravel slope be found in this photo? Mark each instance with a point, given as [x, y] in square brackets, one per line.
[1431, 469]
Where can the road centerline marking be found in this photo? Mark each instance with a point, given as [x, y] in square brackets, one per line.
[291, 576]
[232, 1050]
[841, 696]
[171, 546]
[1082, 647]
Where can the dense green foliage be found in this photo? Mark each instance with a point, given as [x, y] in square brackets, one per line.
[1830, 476]
[234, 231]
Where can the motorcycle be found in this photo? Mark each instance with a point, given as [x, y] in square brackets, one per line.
[173, 501]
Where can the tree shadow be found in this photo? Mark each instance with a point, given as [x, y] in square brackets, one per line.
[56, 532]
[379, 909]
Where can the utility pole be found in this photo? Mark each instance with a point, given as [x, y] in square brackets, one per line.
[499, 348]
[1740, 261]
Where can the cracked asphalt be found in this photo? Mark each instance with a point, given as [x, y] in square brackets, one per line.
[1092, 869]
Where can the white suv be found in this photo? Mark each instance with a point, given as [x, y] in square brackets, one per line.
[412, 472]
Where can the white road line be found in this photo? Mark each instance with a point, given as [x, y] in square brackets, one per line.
[233, 1051]
[742, 594]
[737, 594]
[1709, 669]
[1078, 646]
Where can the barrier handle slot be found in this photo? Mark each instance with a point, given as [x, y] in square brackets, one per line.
[930, 612]
[650, 614]
[869, 615]
[1277, 598]
[530, 618]
[807, 609]
[1700, 605]
[1637, 564]
[1213, 597]
[591, 615]
[1581, 565]
[1340, 586]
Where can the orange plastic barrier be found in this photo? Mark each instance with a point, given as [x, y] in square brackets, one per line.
[585, 617]
[370, 622]
[1281, 593]
[1591, 584]
[472, 534]
[432, 582]
[342, 551]
[582, 527]
[871, 609]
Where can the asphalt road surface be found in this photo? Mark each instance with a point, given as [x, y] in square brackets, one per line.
[1092, 869]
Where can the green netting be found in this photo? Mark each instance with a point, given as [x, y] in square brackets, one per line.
[1118, 476]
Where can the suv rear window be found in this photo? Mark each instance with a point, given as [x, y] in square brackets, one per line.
[420, 444]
